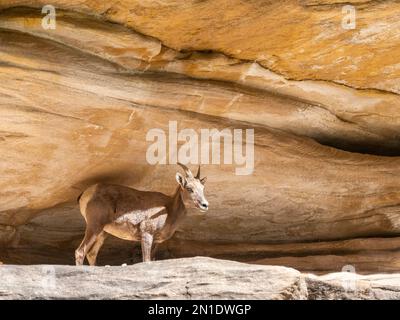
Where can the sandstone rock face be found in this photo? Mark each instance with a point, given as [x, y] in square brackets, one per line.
[191, 278]
[76, 104]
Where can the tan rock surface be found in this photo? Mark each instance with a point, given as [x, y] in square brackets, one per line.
[76, 103]
[300, 39]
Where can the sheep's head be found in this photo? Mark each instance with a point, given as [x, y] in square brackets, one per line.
[193, 186]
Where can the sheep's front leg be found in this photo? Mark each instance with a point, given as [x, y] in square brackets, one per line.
[147, 243]
[154, 251]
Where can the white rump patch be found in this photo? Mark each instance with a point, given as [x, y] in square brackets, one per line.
[137, 216]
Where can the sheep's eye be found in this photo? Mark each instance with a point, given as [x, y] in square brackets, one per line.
[189, 189]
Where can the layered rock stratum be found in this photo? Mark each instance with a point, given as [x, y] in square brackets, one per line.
[76, 103]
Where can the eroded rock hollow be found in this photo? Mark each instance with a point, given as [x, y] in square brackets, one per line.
[77, 101]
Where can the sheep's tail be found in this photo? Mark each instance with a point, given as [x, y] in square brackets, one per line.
[79, 197]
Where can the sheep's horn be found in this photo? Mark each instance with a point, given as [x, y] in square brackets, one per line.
[198, 173]
[187, 170]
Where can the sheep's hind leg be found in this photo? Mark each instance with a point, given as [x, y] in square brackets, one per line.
[85, 246]
[91, 256]
[96, 215]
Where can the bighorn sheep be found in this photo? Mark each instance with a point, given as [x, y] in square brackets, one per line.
[130, 214]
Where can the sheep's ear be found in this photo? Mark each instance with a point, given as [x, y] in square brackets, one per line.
[203, 181]
[180, 179]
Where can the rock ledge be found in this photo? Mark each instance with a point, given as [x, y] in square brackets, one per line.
[189, 278]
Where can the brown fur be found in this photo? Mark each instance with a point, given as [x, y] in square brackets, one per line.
[130, 214]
